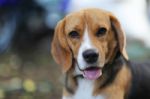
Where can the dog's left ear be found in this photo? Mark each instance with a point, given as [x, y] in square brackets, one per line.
[120, 35]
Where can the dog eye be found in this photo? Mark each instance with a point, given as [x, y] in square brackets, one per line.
[101, 31]
[74, 34]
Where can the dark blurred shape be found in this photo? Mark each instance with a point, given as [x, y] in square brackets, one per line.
[22, 23]
[31, 26]
[8, 20]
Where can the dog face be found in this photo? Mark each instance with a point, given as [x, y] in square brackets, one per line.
[87, 40]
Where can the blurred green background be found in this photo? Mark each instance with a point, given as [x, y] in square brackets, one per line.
[27, 70]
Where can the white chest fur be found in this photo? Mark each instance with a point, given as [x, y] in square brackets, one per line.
[85, 90]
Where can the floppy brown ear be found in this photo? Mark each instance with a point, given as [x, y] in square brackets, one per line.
[120, 35]
[60, 49]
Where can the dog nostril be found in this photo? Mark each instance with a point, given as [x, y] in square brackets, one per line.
[90, 56]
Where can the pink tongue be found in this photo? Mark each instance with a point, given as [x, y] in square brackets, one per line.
[92, 73]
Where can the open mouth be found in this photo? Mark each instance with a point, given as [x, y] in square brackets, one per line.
[92, 73]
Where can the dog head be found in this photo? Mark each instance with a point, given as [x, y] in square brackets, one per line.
[87, 40]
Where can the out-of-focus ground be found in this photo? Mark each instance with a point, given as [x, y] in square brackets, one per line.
[27, 70]
[30, 74]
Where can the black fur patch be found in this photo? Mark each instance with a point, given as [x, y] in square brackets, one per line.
[140, 85]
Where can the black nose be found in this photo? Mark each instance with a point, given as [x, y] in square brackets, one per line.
[90, 56]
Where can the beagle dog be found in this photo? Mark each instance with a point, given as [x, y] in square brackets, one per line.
[90, 47]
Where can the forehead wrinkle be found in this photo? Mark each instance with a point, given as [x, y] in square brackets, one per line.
[74, 22]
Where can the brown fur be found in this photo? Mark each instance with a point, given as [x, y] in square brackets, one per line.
[119, 87]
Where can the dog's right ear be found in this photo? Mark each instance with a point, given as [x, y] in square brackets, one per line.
[60, 49]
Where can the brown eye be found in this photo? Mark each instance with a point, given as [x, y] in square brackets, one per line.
[101, 31]
[74, 34]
